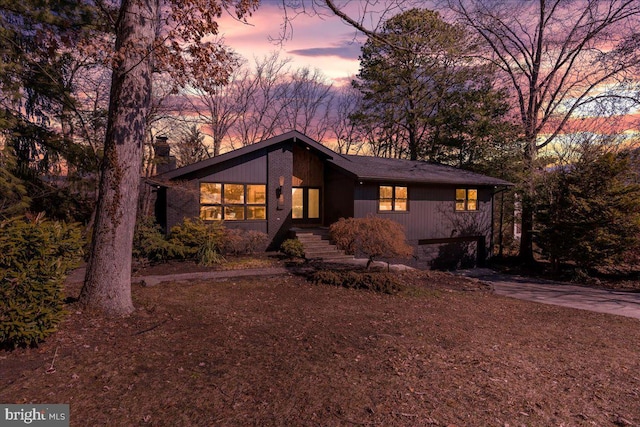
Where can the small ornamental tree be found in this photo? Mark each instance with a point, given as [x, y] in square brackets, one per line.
[371, 236]
[589, 212]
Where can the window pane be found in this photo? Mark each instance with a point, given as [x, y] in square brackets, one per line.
[386, 192]
[401, 192]
[297, 203]
[385, 205]
[233, 213]
[208, 213]
[314, 203]
[400, 205]
[256, 194]
[472, 199]
[210, 193]
[461, 199]
[233, 193]
[256, 212]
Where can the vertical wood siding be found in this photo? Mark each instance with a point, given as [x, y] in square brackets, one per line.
[308, 168]
[250, 169]
[338, 196]
[431, 213]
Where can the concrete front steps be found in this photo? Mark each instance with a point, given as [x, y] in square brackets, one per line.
[318, 247]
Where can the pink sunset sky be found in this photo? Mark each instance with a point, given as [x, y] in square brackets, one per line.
[320, 40]
[314, 41]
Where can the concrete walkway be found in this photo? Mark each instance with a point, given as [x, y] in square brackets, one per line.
[558, 293]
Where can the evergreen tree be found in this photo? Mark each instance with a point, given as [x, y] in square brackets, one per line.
[423, 93]
[589, 212]
[13, 195]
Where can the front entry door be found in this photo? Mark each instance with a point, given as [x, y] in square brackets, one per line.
[305, 204]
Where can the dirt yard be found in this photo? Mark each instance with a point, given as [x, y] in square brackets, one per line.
[283, 352]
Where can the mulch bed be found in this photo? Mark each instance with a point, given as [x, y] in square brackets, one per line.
[280, 351]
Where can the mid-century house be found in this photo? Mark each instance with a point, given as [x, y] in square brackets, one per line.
[291, 181]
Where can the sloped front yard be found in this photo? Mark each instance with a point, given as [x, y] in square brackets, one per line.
[282, 352]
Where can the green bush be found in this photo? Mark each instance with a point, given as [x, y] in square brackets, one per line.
[35, 257]
[150, 243]
[238, 241]
[198, 240]
[293, 248]
[209, 253]
[378, 282]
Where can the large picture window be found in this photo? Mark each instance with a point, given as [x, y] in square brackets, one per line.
[466, 199]
[393, 198]
[233, 202]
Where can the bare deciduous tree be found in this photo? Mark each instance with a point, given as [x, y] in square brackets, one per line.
[349, 136]
[259, 102]
[561, 59]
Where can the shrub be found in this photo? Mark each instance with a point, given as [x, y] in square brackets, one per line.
[293, 248]
[238, 241]
[35, 257]
[198, 240]
[378, 282]
[150, 243]
[371, 236]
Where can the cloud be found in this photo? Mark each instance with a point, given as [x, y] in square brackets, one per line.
[345, 50]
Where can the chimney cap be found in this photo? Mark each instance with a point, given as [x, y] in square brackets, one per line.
[162, 139]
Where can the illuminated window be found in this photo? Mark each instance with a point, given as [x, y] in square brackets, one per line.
[232, 202]
[305, 203]
[466, 199]
[393, 198]
[314, 203]
[297, 203]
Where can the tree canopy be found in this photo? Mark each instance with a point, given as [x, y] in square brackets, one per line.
[424, 93]
[560, 59]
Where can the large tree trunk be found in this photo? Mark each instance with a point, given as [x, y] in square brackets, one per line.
[107, 285]
[528, 198]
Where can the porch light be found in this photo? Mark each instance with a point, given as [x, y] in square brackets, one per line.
[280, 193]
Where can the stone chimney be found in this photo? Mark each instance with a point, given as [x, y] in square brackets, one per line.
[163, 159]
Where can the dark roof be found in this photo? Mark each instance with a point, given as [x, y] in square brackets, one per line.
[292, 135]
[361, 167]
[401, 170]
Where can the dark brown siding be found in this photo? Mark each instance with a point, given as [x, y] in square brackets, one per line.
[338, 196]
[183, 197]
[250, 169]
[308, 169]
[182, 202]
[431, 213]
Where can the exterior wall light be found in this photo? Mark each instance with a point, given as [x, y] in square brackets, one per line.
[280, 193]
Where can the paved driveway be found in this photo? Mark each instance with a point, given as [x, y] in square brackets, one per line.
[558, 293]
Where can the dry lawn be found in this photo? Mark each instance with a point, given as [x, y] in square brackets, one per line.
[282, 352]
